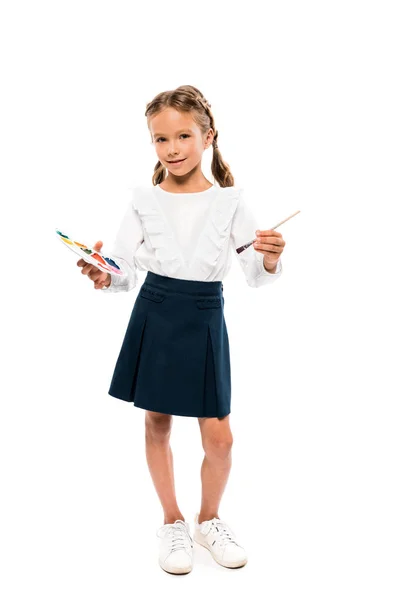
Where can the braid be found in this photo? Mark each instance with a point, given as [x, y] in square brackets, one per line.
[207, 106]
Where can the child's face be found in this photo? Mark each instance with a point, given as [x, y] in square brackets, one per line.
[175, 135]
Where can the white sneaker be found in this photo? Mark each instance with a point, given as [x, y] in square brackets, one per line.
[219, 539]
[176, 547]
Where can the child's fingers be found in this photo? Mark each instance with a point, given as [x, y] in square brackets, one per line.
[89, 269]
[98, 275]
[269, 232]
[102, 281]
[86, 269]
[82, 263]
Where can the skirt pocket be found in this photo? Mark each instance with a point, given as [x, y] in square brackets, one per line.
[209, 303]
[151, 294]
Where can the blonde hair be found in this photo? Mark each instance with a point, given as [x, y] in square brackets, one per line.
[187, 98]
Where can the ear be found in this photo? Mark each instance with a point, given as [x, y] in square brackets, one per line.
[209, 138]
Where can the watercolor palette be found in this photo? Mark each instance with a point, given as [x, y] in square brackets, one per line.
[99, 260]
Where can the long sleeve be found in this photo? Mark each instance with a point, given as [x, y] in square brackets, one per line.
[244, 226]
[127, 241]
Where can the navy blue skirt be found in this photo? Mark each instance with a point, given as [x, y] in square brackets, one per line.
[175, 357]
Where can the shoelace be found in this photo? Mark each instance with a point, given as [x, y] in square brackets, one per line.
[179, 534]
[224, 532]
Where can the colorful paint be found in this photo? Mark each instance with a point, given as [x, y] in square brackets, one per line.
[102, 262]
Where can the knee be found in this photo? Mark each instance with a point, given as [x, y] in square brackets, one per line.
[158, 426]
[218, 448]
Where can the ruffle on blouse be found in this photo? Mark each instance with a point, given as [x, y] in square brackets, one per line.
[212, 241]
[217, 231]
[156, 229]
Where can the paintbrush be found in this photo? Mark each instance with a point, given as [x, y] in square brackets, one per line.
[239, 250]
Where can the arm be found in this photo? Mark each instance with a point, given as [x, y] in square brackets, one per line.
[244, 226]
[127, 241]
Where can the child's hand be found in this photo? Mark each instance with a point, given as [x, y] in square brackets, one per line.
[100, 278]
[270, 243]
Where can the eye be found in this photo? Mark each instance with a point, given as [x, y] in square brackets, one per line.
[161, 138]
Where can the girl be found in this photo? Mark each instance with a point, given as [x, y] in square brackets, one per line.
[174, 358]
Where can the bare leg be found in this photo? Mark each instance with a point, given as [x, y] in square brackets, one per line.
[217, 443]
[160, 461]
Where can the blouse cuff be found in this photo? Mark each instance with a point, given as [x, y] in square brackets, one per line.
[118, 284]
[278, 267]
[265, 276]
[121, 283]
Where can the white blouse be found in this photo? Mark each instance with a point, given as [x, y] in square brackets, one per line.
[187, 236]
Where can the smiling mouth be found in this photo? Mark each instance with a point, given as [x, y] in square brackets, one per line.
[176, 161]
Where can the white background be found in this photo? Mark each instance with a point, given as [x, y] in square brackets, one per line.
[306, 102]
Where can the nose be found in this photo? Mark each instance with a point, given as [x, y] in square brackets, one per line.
[173, 149]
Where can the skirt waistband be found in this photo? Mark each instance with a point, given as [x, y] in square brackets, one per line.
[187, 286]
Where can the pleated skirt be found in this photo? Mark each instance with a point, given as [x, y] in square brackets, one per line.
[174, 357]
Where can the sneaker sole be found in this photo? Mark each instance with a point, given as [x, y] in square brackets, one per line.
[234, 565]
[177, 570]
